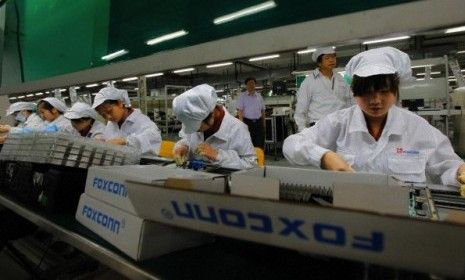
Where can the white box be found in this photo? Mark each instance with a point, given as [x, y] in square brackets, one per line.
[138, 238]
[107, 183]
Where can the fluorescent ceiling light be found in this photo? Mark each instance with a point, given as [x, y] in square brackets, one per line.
[154, 75]
[219, 64]
[245, 12]
[21, 97]
[219, 90]
[91, 85]
[129, 79]
[184, 70]
[432, 73]
[29, 95]
[12, 98]
[114, 55]
[62, 90]
[39, 94]
[166, 37]
[385, 40]
[420, 79]
[77, 88]
[462, 70]
[421, 66]
[136, 88]
[306, 51]
[264, 57]
[455, 29]
[461, 51]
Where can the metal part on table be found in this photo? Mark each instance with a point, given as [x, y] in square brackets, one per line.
[422, 204]
[65, 150]
[304, 193]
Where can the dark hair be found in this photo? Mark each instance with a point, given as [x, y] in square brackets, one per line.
[45, 105]
[362, 86]
[319, 58]
[110, 102]
[84, 119]
[250, 79]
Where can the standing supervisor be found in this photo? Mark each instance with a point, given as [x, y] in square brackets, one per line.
[251, 110]
[322, 92]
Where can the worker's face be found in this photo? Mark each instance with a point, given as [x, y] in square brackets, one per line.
[207, 123]
[250, 86]
[49, 115]
[376, 104]
[112, 112]
[328, 61]
[82, 124]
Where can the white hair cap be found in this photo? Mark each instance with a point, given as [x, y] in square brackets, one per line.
[193, 106]
[386, 60]
[320, 51]
[80, 110]
[19, 106]
[57, 103]
[111, 93]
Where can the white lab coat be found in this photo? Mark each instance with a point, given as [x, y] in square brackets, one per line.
[97, 130]
[235, 148]
[138, 130]
[409, 147]
[63, 125]
[33, 122]
[318, 97]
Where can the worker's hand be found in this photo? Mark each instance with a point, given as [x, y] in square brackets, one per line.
[2, 139]
[117, 141]
[4, 128]
[333, 161]
[207, 151]
[180, 155]
[461, 179]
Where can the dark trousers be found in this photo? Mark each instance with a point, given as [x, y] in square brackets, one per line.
[257, 132]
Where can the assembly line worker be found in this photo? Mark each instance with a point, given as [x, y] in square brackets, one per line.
[51, 110]
[84, 120]
[208, 130]
[375, 135]
[322, 92]
[25, 117]
[126, 125]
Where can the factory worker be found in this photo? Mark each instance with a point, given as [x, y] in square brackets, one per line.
[322, 92]
[25, 116]
[375, 135]
[84, 120]
[51, 110]
[125, 125]
[209, 131]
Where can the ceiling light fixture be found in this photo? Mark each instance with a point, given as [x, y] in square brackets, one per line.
[39, 94]
[114, 55]
[264, 57]
[306, 51]
[461, 51]
[385, 40]
[166, 37]
[219, 64]
[421, 66]
[245, 12]
[129, 79]
[184, 70]
[455, 29]
[12, 98]
[432, 73]
[21, 97]
[154, 75]
[30, 95]
[91, 85]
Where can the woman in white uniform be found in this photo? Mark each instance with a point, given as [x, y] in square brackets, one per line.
[126, 126]
[51, 110]
[84, 120]
[375, 135]
[209, 131]
[25, 117]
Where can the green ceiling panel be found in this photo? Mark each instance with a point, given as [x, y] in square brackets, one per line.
[63, 36]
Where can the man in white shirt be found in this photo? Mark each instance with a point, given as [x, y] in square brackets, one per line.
[322, 92]
[210, 132]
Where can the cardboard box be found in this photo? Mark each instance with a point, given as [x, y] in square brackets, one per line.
[387, 239]
[138, 238]
[264, 182]
[107, 183]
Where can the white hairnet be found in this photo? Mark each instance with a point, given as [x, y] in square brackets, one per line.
[193, 106]
[320, 51]
[111, 93]
[19, 106]
[386, 60]
[57, 103]
[80, 110]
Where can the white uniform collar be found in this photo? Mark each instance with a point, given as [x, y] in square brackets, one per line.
[317, 73]
[394, 123]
